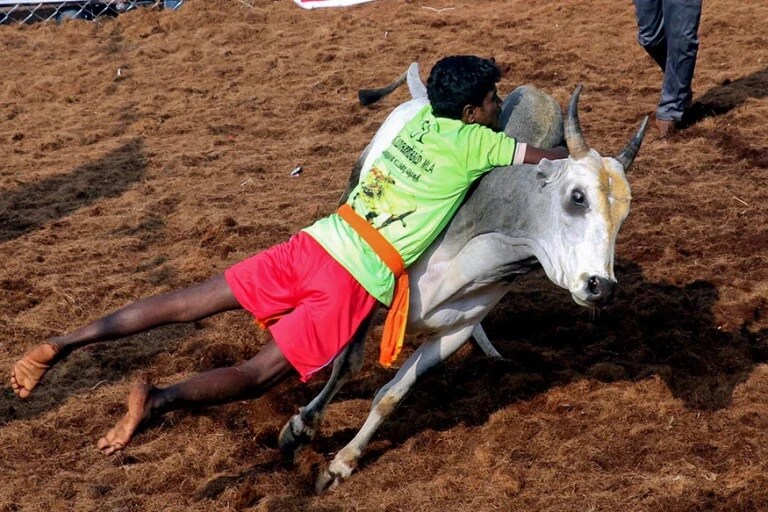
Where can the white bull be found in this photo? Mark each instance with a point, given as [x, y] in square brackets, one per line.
[563, 215]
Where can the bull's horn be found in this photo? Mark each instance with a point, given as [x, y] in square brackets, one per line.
[627, 156]
[577, 146]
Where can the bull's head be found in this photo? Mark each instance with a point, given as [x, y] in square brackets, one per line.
[589, 199]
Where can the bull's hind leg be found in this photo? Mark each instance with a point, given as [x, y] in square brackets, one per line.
[302, 427]
[427, 356]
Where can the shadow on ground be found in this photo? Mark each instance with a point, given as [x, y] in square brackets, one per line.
[651, 329]
[726, 97]
[32, 205]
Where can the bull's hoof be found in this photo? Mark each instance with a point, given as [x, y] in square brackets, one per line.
[339, 470]
[327, 481]
[293, 437]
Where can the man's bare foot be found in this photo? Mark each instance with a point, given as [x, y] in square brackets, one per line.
[666, 128]
[28, 371]
[139, 411]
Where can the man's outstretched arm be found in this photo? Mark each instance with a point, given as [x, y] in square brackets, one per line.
[534, 155]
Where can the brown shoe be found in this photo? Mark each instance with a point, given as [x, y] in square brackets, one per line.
[666, 128]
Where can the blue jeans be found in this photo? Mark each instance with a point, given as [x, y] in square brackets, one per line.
[668, 31]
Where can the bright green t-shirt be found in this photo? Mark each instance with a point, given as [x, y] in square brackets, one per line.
[411, 192]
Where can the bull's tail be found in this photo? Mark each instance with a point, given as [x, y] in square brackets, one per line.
[415, 86]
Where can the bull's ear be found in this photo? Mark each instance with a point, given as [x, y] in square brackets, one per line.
[548, 170]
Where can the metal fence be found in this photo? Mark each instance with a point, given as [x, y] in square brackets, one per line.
[25, 11]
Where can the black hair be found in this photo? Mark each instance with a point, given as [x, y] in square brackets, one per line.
[458, 81]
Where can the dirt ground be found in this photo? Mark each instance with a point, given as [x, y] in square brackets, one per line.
[116, 186]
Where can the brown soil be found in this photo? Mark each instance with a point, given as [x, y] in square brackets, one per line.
[115, 187]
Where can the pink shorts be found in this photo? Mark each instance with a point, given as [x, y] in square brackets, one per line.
[308, 301]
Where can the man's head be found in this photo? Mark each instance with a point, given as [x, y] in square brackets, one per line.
[464, 87]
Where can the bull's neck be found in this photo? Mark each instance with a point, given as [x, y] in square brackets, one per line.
[502, 202]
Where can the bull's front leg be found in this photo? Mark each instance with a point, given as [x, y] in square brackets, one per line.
[302, 427]
[427, 356]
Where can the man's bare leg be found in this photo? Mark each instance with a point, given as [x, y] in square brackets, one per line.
[222, 385]
[186, 305]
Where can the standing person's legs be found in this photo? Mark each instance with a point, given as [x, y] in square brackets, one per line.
[186, 305]
[650, 30]
[222, 385]
[681, 24]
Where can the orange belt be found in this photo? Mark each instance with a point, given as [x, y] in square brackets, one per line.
[394, 326]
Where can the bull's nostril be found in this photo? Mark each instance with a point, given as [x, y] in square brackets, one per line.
[600, 290]
[593, 285]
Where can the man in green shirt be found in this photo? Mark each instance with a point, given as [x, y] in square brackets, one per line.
[318, 290]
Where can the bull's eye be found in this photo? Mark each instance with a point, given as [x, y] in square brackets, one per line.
[578, 197]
